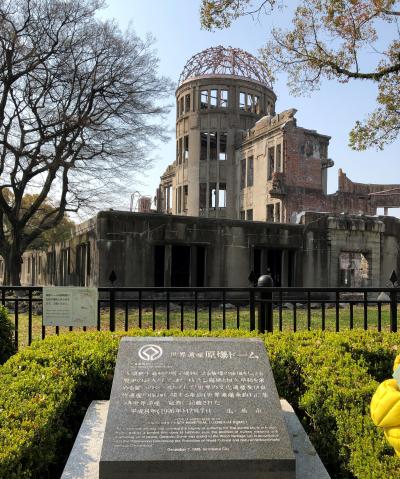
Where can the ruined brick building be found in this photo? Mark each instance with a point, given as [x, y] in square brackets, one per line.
[237, 158]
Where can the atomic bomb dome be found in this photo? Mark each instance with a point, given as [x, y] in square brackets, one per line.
[216, 61]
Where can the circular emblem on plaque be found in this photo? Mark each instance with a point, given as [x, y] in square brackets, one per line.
[150, 352]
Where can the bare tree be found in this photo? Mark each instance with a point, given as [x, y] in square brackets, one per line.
[79, 110]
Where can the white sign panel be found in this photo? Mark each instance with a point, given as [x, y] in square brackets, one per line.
[69, 306]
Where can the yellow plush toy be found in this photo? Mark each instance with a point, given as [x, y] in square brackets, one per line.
[385, 409]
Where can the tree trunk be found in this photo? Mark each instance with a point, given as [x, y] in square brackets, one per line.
[13, 263]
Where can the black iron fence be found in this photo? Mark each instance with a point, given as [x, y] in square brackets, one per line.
[256, 308]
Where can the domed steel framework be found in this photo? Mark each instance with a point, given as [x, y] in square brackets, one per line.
[225, 61]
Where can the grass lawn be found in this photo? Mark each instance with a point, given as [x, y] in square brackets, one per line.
[159, 320]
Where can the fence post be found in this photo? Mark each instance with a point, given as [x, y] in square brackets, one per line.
[112, 309]
[265, 315]
[393, 311]
[252, 310]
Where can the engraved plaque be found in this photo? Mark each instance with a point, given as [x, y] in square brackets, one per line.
[190, 407]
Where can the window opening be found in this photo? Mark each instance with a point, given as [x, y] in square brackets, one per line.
[271, 166]
[243, 174]
[213, 98]
[187, 103]
[274, 265]
[278, 157]
[250, 166]
[180, 266]
[256, 104]
[213, 146]
[181, 107]
[257, 262]
[203, 146]
[180, 151]
[179, 193]
[354, 269]
[222, 195]
[277, 213]
[185, 197]
[242, 215]
[250, 102]
[222, 146]
[242, 101]
[223, 98]
[204, 99]
[170, 197]
[186, 147]
[202, 195]
[159, 258]
[201, 266]
[270, 212]
[212, 197]
[249, 215]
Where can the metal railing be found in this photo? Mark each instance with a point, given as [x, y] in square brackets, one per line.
[254, 308]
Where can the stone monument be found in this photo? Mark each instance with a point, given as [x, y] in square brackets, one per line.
[195, 408]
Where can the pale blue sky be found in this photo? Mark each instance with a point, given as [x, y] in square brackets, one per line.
[332, 111]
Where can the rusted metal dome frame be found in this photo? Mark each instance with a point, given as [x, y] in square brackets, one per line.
[222, 60]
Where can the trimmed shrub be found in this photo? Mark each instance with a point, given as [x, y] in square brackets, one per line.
[7, 347]
[328, 377]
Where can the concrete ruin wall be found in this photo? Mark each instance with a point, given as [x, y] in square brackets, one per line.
[324, 250]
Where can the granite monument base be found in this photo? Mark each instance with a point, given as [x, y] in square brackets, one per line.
[83, 462]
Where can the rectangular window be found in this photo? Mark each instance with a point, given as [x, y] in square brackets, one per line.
[223, 98]
[203, 146]
[242, 101]
[186, 147]
[187, 103]
[257, 104]
[277, 218]
[271, 163]
[243, 173]
[250, 102]
[202, 195]
[180, 151]
[181, 108]
[250, 166]
[213, 98]
[270, 212]
[185, 197]
[222, 195]
[204, 99]
[179, 198]
[169, 197]
[249, 215]
[242, 215]
[88, 263]
[222, 146]
[212, 197]
[278, 157]
[213, 146]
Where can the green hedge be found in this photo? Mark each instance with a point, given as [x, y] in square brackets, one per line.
[7, 347]
[328, 377]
